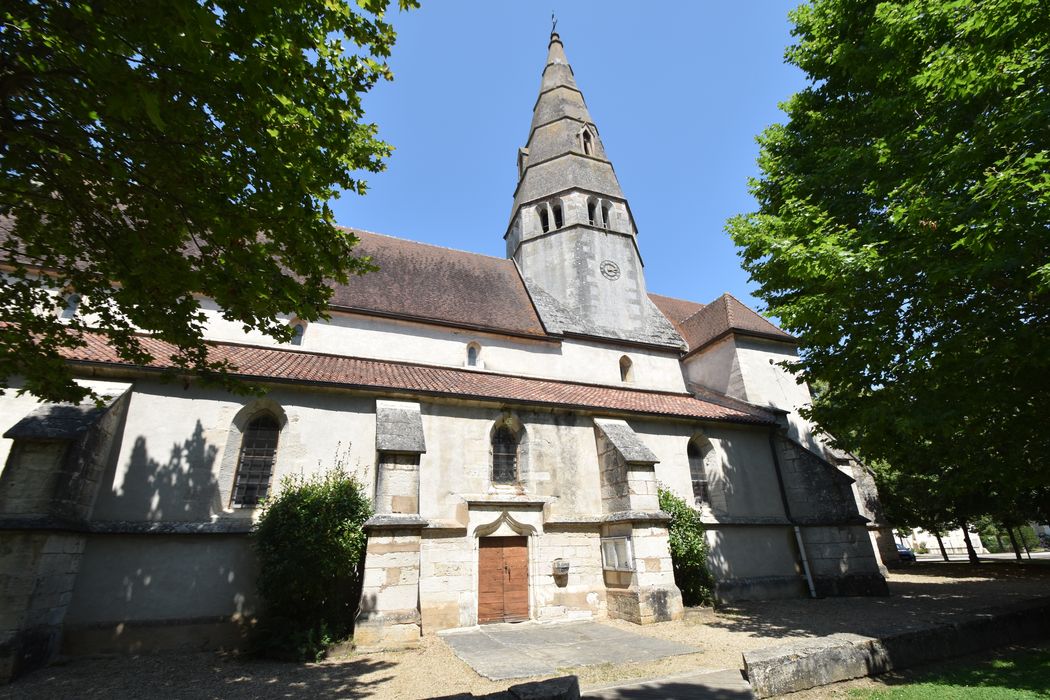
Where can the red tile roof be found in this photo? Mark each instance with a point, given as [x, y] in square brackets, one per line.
[441, 285]
[676, 310]
[724, 315]
[273, 364]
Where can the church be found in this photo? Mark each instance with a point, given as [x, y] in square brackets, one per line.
[513, 417]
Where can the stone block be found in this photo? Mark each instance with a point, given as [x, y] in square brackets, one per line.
[564, 688]
[379, 634]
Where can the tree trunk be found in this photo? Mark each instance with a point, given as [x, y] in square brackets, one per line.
[1013, 543]
[969, 545]
[1020, 533]
[940, 543]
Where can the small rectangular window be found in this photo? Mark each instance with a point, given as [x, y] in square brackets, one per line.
[617, 554]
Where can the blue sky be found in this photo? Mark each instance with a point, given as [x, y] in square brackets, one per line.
[678, 91]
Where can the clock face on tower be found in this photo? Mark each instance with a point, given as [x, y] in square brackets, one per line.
[610, 269]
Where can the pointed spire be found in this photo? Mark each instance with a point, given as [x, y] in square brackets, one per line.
[556, 142]
[557, 72]
[571, 232]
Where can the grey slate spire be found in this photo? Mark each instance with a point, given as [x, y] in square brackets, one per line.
[571, 231]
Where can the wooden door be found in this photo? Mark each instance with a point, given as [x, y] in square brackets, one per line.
[503, 579]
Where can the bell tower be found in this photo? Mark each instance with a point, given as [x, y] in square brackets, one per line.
[571, 231]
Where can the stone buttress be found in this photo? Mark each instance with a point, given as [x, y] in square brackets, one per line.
[48, 488]
[644, 590]
[389, 611]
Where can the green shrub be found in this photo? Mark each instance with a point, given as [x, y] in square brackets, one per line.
[688, 550]
[310, 545]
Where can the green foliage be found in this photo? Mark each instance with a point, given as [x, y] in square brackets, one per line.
[310, 545]
[903, 233]
[156, 151]
[688, 550]
[1016, 675]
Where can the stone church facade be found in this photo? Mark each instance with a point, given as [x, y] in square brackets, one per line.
[513, 417]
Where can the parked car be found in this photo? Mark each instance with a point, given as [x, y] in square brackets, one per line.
[905, 553]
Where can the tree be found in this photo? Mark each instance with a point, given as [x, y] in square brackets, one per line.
[311, 544]
[903, 234]
[158, 152]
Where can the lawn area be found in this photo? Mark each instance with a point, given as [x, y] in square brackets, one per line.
[1019, 675]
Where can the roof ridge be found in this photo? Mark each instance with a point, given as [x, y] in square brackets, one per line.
[757, 314]
[665, 296]
[726, 296]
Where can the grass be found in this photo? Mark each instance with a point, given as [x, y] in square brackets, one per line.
[1017, 675]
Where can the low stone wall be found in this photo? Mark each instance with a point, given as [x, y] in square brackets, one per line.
[814, 662]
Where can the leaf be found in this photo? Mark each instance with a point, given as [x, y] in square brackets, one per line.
[152, 105]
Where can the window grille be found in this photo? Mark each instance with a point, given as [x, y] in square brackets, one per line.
[504, 456]
[255, 463]
[617, 554]
[698, 472]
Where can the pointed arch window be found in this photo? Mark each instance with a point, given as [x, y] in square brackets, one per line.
[69, 311]
[473, 354]
[606, 214]
[700, 453]
[505, 445]
[255, 461]
[559, 220]
[592, 212]
[626, 369]
[588, 142]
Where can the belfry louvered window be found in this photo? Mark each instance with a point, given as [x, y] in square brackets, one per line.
[504, 456]
[255, 463]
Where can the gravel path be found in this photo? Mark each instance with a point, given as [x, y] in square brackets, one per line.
[921, 595]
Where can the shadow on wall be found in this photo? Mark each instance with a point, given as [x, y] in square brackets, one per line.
[134, 577]
[182, 488]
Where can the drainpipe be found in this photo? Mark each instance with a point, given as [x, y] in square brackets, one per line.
[787, 512]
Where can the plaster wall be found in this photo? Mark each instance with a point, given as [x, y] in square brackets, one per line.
[148, 578]
[557, 462]
[769, 384]
[389, 339]
[178, 454]
[748, 369]
[717, 367]
[747, 552]
[743, 484]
